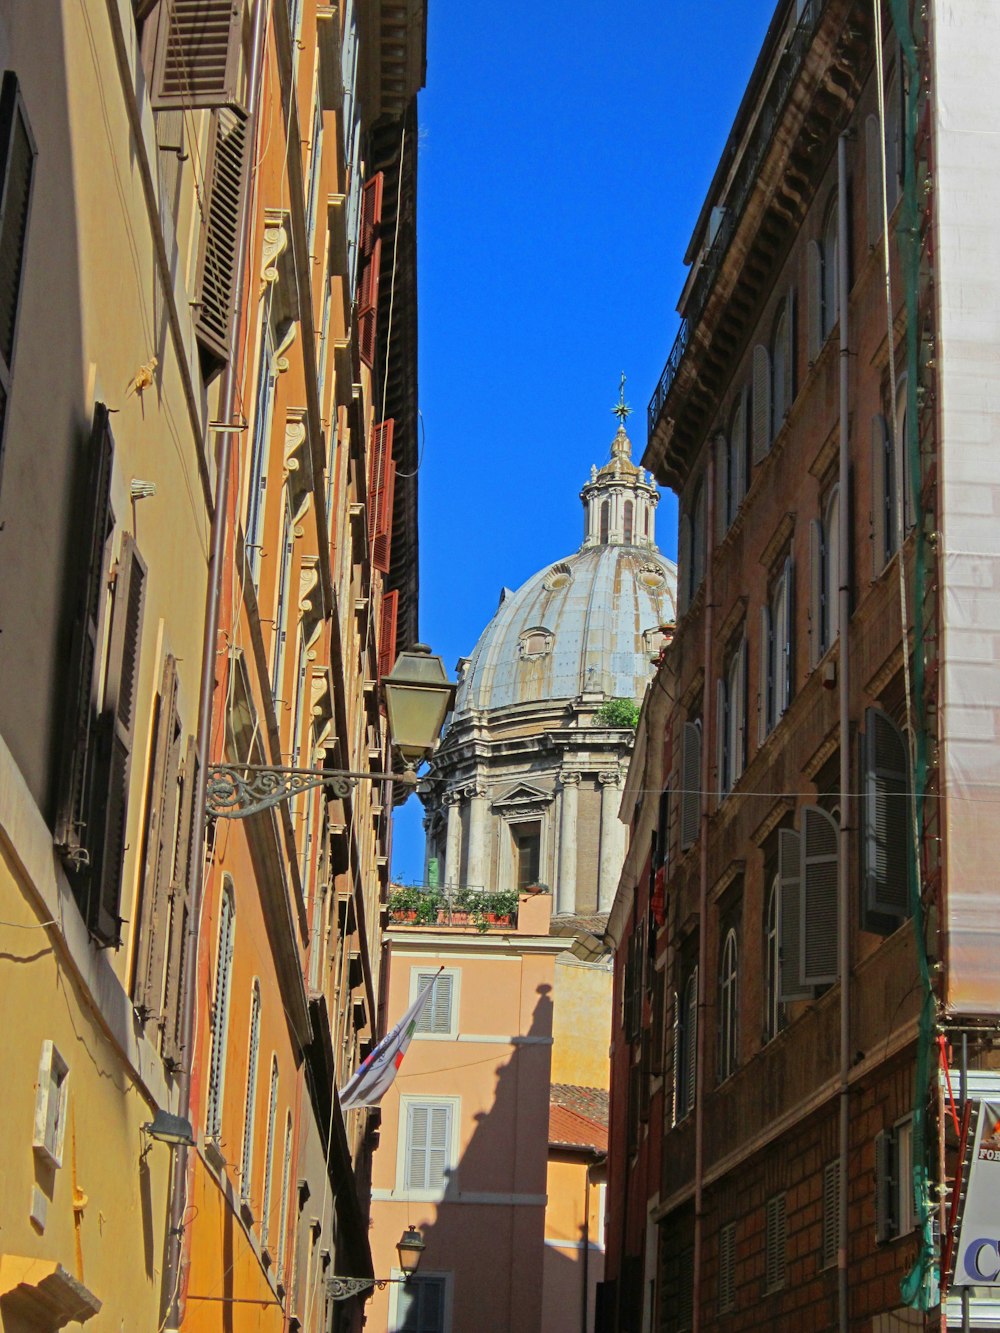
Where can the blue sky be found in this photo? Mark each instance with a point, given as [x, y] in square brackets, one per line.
[565, 152]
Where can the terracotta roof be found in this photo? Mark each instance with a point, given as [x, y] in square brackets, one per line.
[578, 1116]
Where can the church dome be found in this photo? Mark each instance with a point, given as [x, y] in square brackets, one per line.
[590, 623]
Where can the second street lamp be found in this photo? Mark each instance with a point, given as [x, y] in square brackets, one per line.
[418, 695]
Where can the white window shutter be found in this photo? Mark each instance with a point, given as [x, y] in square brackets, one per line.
[722, 757]
[690, 796]
[416, 1147]
[761, 402]
[886, 818]
[873, 179]
[763, 711]
[785, 661]
[818, 928]
[722, 479]
[790, 984]
[440, 1134]
[817, 645]
[814, 267]
[880, 511]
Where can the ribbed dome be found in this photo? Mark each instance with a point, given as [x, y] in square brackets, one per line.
[588, 623]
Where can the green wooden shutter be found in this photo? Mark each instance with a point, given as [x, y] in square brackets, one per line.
[226, 174]
[109, 793]
[820, 837]
[197, 54]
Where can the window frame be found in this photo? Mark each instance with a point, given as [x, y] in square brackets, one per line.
[427, 1194]
[775, 1014]
[455, 974]
[250, 1101]
[399, 1286]
[221, 997]
[729, 1006]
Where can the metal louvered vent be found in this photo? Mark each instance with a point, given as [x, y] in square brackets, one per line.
[831, 1214]
[774, 1263]
[227, 173]
[727, 1268]
[198, 56]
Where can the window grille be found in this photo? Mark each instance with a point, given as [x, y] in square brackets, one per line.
[250, 1101]
[220, 1012]
[272, 1114]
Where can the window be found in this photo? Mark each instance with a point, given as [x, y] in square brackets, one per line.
[691, 549]
[260, 442]
[420, 1305]
[689, 795]
[731, 720]
[894, 159]
[819, 907]
[250, 1101]
[220, 1012]
[824, 609]
[370, 260]
[774, 1010]
[280, 639]
[762, 421]
[727, 1268]
[315, 163]
[883, 465]
[428, 1145]
[782, 364]
[193, 70]
[17, 167]
[777, 651]
[831, 1214]
[438, 1015]
[789, 918]
[774, 1243]
[886, 829]
[823, 291]
[286, 1193]
[605, 521]
[51, 1098]
[527, 853]
[627, 538]
[272, 1115]
[728, 1007]
[895, 1214]
[226, 174]
[686, 1047]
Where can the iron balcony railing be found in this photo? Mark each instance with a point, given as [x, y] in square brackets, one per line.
[736, 200]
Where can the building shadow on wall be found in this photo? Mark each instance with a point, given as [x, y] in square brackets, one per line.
[505, 1160]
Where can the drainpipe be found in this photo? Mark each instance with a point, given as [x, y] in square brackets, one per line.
[843, 682]
[173, 1284]
[702, 1001]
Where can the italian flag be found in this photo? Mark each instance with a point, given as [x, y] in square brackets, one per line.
[373, 1078]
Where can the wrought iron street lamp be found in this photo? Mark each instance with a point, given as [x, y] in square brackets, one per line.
[418, 695]
[409, 1249]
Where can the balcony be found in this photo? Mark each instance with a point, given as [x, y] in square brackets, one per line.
[458, 907]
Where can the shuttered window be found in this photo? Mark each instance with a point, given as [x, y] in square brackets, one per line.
[272, 1116]
[428, 1144]
[724, 508]
[824, 578]
[819, 844]
[883, 468]
[690, 793]
[381, 495]
[829, 292]
[731, 721]
[783, 363]
[790, 976]
[220, 1012]
[94, 524]
[738, 452]
[761, 403]
[420, 1306]
[280, 639]
[687, 1065]
[17, 167]
[250, 1099]
[728, 1007]
[436, 1016]
[831, 1214]
[197, 56]
[873, 179]
[886, 834]
[387, 633]
[727, 1268]
[187, 847]
[286, 1194]
[774, 1010]
[777, 649]
[113, 751]
[370, 255]
[226, 176]
[259, 444]
[775, 1243]
[315, 163]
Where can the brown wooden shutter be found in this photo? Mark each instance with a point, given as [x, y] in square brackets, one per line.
[226, 176]
[820, 838]
[109, 794]
[381, 494]
[187, 847]
[94, 517]
[387, 633]
[371, 213]
[161, 824]
[17, 161]
[368, 304]
[197, 56]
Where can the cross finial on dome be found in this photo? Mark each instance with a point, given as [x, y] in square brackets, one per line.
[621, 409]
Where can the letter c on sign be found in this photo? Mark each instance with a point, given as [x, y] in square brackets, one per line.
[973, 1252]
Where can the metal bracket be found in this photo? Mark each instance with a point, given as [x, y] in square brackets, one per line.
[342, 1288]
[234, 791]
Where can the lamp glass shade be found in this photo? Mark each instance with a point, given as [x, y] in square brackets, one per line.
[172, 1129]
[418, 695]
[410, 1248]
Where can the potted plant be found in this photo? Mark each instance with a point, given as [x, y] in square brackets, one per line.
[403, 903]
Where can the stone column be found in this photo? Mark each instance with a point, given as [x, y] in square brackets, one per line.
[612, 840]
[565, 895]
[476, 873]
[453, 839]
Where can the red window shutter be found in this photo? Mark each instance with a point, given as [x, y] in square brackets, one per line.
[382, 545]
[197, 56]
[371, 212]
[387, 634]
[381, 494]
[368, 304]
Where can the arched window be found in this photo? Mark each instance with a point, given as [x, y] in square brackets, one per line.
[286, 1190]
[728, 1007]
[220, 1011]
[250, 1103]
[828, 268]
[782, 363]
[774, 1010]
[605, 521]
[628, 523]
[272, 1113]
